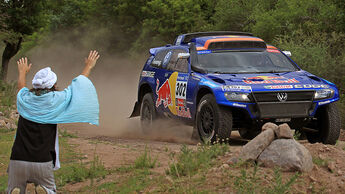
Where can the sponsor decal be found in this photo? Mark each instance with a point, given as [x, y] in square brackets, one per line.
[148, 74]
[269, 80]
[311, 86]
[296, 86]
[182, 78]
[239, 105]
[163, 94]
[324, 102]
[183, 112]
[167, 58]
[204, 52]
[279, 87]
[181, 102]
[172, 94]
[181, 88]
[228, 88]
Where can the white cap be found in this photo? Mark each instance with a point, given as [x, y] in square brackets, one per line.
[44, 78]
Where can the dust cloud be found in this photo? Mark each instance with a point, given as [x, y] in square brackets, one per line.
[116, 80]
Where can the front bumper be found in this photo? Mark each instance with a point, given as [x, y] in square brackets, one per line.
[283, 110]
[266, 105]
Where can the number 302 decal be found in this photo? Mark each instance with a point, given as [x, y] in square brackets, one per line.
[181, 89]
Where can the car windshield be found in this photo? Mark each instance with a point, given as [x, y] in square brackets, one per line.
[272, 61]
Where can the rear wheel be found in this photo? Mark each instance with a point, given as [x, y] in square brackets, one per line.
[147, 113]
[327, 125]
[213, 122]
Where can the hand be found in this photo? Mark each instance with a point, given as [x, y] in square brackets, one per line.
[23, 67]
[92, 59]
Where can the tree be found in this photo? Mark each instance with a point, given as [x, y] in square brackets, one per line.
[19, 18]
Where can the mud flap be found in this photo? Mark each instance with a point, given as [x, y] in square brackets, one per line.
[136, 110]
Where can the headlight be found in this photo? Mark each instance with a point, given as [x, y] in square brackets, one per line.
[324, 93]
[237, 96]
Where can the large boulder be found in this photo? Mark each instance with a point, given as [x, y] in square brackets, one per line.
[269, 125]
[253, 149]
[284, 132]
[287, 154]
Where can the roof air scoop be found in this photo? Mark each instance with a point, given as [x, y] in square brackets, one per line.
[186, 38]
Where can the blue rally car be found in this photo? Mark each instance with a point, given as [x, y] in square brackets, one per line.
[224, 81]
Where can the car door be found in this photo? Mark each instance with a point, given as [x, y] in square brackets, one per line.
[176, 79]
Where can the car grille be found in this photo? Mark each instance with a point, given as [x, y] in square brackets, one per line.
[297, 104]
[291, 96]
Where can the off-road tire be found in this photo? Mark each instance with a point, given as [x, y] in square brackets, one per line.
[148, 114]
[212, 121]
[328, 125]
[249, 133]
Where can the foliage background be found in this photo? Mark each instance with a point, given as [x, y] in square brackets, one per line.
[313, 30]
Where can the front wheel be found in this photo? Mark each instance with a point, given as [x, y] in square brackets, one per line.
[213, 122]
[328, 125]
[147, 113]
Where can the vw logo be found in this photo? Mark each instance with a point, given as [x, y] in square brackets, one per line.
[282, 97]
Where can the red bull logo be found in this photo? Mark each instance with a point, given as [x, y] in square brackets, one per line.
[163, 94]
[269, 80]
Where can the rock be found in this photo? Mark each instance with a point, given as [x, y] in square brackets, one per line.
[253, 149]
[1, 114]
[169, 179]
[224, 166]
[322, 157]
[284, 132]
[2, 123]
[331, 166]
[14, 116]
[312, 178]
[272, 126]
[8, 125]
[287, 154]
[233, 160]
[340, 172]
[13, 126]
[214, 169]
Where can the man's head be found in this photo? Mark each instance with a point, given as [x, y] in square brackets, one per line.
[44, 79]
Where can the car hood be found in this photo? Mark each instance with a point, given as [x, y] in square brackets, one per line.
[275, 81]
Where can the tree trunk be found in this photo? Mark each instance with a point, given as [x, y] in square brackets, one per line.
[11, 49]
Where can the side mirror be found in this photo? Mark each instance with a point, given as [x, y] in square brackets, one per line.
[287, 53]
[183, 55]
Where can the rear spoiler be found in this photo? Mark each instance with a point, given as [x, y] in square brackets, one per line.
[186, 38]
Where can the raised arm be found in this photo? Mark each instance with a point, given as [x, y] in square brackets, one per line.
[23, 69]
[90, 62]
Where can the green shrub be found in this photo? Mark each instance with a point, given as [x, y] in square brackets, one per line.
[78, 172]
[189, 162]
[252, 183]
[145, 161]
[320, 162]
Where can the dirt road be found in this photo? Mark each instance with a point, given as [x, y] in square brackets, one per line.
[115, 151]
